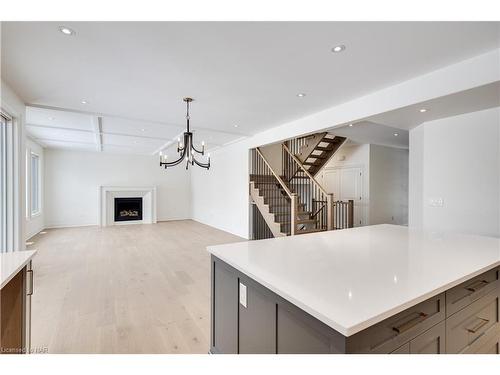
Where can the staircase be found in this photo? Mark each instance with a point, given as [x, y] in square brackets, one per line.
[315, 150]
[280, 207]
[290, 201]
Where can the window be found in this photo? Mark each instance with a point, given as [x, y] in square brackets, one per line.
[35, 183]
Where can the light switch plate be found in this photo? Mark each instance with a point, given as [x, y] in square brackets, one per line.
[243, 295]
[436, 202]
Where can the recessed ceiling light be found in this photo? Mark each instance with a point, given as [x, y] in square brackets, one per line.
[396, 134]
[66, 30]
[84, 101]
[51, 118]
[301, 95]
[338, 48]
[143, 130]
[350, 125]
[422, 110]
[235, 126]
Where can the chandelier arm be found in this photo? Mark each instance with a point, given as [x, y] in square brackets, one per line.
[202, 152]
[174, 163]
[200, 164]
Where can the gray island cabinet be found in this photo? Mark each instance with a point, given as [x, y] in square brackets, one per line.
[257, 308]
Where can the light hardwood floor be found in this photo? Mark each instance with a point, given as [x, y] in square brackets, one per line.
[124, 289]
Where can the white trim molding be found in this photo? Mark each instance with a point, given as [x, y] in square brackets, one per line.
[106, 203]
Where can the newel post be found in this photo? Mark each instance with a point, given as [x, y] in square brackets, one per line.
[293, 213]
[329, 211]
[351, 213]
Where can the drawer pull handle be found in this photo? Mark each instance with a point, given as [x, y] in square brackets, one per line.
[411, 323]
[30, 284]
[477, 285]
[478, 326]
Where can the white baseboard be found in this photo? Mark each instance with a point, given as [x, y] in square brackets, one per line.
[57, 226]
[221, 228]
[30, 236]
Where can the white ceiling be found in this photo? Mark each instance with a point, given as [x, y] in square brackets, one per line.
[380, 129]
[370, 132]
[134, 74]
[476, 99]
[82, 131]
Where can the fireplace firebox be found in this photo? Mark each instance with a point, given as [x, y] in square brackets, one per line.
[127, 209]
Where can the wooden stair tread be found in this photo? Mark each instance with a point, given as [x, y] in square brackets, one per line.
[298, 213]
[300, 221]
[312, 230]
[316, 156]
[320, 148]
[284, 205]
[314, 163]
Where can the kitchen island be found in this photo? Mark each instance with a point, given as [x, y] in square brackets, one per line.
[16, 287]
[375, 289]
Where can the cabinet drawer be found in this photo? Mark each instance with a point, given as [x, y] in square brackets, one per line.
[392, 333]
[464, 294]
[405, 349]
[471, 323]
[486, 344]
[430, 342]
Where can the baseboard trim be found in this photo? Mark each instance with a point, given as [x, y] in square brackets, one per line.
[60, 226]
[246, 237]
[70, 226]
[33, 235]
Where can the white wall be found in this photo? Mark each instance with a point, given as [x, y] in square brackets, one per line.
[227, 206]
[457, 159]
[72, 180]
[220, 195]
[35, 223]
[388, 185]
[385, 181]
[416, 178]
[273, 155]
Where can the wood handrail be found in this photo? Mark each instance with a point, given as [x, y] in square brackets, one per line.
[282, 183]
[305, 170]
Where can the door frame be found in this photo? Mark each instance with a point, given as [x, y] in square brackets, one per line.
[364, 202]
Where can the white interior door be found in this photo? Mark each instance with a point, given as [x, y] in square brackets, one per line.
[351, 187]
[345, 184]
[331, 182]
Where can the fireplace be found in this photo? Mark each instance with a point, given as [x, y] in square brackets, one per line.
[127, 209]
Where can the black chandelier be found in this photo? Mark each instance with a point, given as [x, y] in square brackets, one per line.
[186, 149]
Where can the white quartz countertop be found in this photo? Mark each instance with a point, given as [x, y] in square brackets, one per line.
[12, 263]
[354, 278]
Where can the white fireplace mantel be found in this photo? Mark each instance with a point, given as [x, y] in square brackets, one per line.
[107, 195]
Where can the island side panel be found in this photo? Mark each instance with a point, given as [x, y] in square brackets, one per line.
[268, 323]
[300, 333]
[224, 317]
[257, 318]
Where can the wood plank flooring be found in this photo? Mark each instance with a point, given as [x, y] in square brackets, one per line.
[124, 289]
